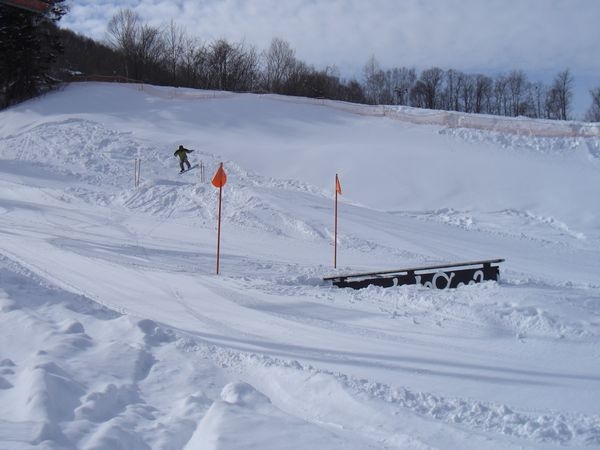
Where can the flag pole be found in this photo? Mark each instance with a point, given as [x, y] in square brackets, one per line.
[219, 228]
[335, 223]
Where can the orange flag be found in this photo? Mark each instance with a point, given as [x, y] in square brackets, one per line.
[219, 181]
[220, 177]
[338, 187]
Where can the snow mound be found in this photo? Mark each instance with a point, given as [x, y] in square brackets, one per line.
[246, 419]
[242, 394]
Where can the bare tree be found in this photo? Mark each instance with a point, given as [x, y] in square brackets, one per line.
[279, 61]
[123, 30]
[193, 56]
[149, 50]
[174, 46]
[404, 79]
[247, 68]
[140, 44]
[297, 81]
[354, 92]
[467, 93]
[561, 95]
[219, 59]
[538, 95]
[232, 67]
[428, 87]
[387, 95]
[593, 113]
[483, 94]
[374, 81]
[501, 102]
[330, 85]
[450, 96]
[517, 87]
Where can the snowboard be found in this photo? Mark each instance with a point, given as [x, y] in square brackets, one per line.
[187, 170]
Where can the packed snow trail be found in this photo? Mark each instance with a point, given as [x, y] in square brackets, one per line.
[117, 333]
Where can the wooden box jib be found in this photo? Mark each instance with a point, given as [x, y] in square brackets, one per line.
[442, 276]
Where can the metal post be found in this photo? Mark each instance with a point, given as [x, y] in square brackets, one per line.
[137, 164]
[139, 171]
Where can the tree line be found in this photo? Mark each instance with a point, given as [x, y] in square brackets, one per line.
[168, 55]
[511, 94]
[172, 56]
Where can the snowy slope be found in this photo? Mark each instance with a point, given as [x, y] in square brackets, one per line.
[117, 334]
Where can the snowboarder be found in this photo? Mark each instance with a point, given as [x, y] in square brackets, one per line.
[182, 152]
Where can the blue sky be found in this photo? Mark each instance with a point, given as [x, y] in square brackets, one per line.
[542, 37]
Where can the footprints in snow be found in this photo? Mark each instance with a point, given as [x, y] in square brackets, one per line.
[101, 406]
[71, 383]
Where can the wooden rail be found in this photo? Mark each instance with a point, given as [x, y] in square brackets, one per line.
[440, 276]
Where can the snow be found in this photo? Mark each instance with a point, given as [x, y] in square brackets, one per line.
[117, 334]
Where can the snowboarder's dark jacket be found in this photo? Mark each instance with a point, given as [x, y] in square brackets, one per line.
[182, 152]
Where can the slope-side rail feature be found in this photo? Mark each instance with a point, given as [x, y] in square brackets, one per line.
[443, 276]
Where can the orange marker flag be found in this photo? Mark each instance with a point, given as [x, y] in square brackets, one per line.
[219, 181]
[338, 187]
[220, 177]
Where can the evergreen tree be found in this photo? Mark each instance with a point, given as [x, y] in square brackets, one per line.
[28, 45]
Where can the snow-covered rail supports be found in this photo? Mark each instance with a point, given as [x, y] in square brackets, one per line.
[443, 276]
